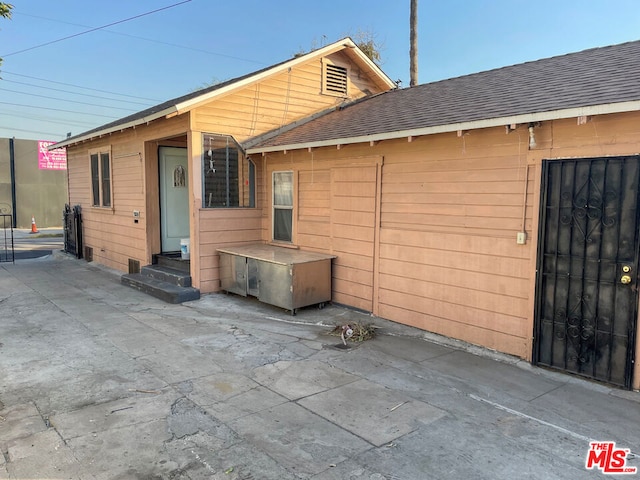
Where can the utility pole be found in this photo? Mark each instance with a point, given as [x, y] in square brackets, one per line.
[413, 51]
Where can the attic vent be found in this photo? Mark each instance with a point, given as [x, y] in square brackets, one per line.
[335, 80]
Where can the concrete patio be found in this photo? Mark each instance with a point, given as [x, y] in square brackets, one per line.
[99, 381]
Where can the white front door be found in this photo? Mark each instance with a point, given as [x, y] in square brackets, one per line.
[174, 197]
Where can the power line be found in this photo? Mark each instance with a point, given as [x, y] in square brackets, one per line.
[79, 86]
[39, 107]
[55, 120]
[169, 44]
[75, 93]
[69, 101]
[94, 29]
[32, 131]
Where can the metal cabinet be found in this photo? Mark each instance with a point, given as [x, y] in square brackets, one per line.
[283, 277]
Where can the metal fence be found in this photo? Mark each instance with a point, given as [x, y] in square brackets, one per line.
[73, 230]
[7, 253]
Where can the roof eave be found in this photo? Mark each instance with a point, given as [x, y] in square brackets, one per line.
[182, 107]
[453, 127]
[116, 128]
[386, 80]
[321, 52]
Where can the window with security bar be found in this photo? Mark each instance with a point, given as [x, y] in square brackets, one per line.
[228, 176]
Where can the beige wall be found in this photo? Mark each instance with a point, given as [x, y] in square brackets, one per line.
[445, 257]
[111, 232]
[39, 193]
[5, 181]
[277, 101]
[424, 230]
[265, 105]
[214, 228]
[256, 109]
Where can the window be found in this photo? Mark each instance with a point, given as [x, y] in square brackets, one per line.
[282, 206]
[101, 179]
[334, 80]
[228, 177]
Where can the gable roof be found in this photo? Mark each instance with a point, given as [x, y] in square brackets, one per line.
[186, 102]
[595, 81]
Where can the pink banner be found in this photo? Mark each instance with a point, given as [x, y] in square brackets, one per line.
[51, 160]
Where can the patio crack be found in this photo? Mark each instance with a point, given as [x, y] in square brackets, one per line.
[188, 419]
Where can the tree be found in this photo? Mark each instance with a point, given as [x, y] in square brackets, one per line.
[369, 44]
[365, 40]
[203, 85]
[5, 12]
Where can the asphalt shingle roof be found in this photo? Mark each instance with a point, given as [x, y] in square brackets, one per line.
[165, 107]
[168, 104]
[592, 77]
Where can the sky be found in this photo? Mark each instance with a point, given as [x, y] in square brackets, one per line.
[51, 85]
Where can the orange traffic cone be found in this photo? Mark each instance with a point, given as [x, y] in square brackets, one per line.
[34, 229]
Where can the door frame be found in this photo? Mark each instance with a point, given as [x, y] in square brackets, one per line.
[632, 347]
[162, 248]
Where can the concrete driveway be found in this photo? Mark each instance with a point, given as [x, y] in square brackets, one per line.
[28, 245]
[99, 381]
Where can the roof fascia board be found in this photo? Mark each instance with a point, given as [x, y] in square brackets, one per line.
[372, 65]
[185, 106]
[249, 143]
[117, 128]
[329, 49]
[621, 107]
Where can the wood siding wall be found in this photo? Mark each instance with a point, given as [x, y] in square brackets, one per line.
[277, 101]
[111, 232]
[220, 228]
[258, 108]
[336, 211]
[254, 110]
[213, 228]
[353, 231]
[445, 257]
[449, 262]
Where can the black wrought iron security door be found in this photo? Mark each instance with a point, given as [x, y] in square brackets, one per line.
[588, 268]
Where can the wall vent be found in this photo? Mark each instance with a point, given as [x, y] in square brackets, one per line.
[335, 80]
[88, 254]
[134, 266]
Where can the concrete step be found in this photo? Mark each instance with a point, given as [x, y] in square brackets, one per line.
[163, 290]
[167, 274]
[174, 261]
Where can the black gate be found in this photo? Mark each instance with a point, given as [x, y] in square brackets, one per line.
[73, 230]
[586, 292]
[7, 252]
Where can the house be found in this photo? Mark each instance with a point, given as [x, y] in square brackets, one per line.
[179, 170]
[499, 208]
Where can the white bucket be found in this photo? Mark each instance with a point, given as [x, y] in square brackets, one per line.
[184, 248]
